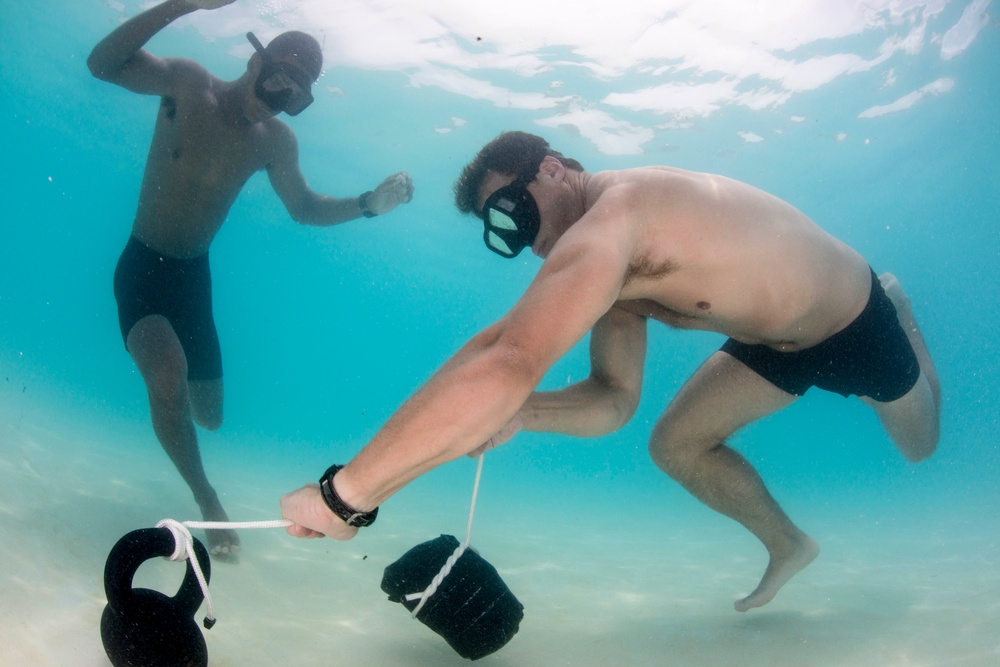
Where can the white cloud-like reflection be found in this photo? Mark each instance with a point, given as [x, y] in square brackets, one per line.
[906, 101]
[672, 60]
[961, 36]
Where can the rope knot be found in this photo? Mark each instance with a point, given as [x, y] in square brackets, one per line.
[184, 550]
[183, 541]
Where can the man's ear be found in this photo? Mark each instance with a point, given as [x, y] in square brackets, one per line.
[552, 167]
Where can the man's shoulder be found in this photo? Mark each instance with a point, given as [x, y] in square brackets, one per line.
[187, 72]
[278, 133]
[277, 141]
[613, 193]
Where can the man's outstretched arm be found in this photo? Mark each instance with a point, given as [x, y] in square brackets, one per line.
[311, 208]
[479, 389]
[120, 59]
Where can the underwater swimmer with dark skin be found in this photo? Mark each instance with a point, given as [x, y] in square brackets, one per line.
[210, 137]
[621, 248]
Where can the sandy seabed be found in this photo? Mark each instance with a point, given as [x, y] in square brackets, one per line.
[597, 592]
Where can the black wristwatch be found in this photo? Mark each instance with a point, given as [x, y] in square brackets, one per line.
[351, 516]
[363, 205]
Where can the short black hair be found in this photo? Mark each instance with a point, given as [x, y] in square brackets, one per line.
[512, 154]
[300, 46]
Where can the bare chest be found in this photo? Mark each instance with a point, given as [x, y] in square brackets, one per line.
[193, 142]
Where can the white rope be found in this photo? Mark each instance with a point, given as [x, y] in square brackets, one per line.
[450, 563]
[184, 548]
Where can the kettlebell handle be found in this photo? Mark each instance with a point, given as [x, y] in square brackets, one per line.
[134, 549]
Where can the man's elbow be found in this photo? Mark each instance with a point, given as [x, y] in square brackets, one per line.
[624, 404]
[513, 360]
[619, 397]
[506, 357]
[98, 67]
[308, 213]
[302, 215]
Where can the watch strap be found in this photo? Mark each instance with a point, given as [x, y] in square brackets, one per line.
[351, 516]
[363, 205]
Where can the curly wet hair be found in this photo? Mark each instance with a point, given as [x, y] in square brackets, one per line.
[511, 153]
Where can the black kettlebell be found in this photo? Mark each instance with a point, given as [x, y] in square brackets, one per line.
[145, 628]
[472, 609]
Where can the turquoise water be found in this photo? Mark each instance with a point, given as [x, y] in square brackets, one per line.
[326, 331]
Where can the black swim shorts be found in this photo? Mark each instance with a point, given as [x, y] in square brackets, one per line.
[150, 283]
[870, 357]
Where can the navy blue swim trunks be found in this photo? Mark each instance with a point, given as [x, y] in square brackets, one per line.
[150, 283]
[870, 357]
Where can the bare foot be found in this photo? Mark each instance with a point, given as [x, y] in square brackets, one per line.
[780, 569]
[223, 544]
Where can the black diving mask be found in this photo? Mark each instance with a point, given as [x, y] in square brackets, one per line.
[280, 85]
[511, 218]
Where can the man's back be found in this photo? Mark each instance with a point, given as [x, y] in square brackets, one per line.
[721, 255]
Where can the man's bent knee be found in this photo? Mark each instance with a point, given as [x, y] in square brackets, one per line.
[674, 454]
[206, 403]
[920, 449]
[211, 422]
[912, 422]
